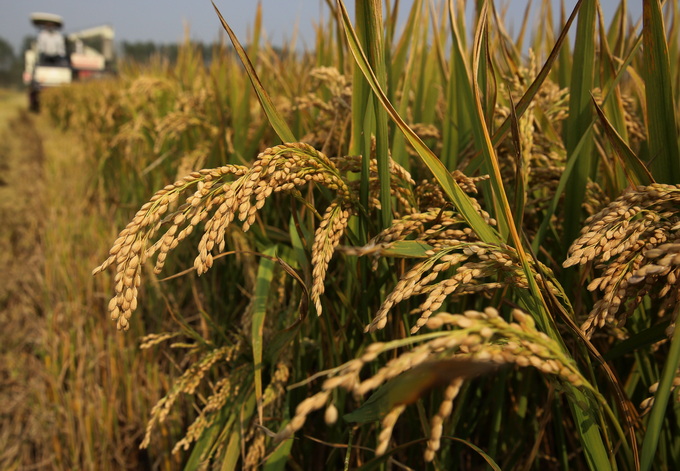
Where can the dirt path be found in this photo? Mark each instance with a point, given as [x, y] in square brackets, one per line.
[66, 397]
[22, 430]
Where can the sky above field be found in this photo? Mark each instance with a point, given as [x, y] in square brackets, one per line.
[165, 21]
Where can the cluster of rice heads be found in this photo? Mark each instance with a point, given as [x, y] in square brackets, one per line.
[633, 245]
[532, 162]
[471, 344]
[456, 264]
[222, 382]
[478, 268]
[326, 110]
[158, 122]
[217, 197]
[434, 247]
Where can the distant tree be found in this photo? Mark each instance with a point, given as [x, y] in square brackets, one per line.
[10, 65]
[7, 56]
[139, 51]
[27, 43]
[143, 51]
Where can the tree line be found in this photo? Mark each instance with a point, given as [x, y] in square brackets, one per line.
[12, 62]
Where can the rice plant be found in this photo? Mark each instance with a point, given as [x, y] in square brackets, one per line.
[461, 248]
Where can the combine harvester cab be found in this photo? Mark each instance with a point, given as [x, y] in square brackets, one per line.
[76, 58]
[92, 54]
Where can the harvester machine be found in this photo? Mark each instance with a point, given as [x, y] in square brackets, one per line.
[55, 59]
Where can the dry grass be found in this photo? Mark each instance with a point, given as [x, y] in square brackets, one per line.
[23, 384]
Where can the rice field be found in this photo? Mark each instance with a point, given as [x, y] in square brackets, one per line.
[440, 245]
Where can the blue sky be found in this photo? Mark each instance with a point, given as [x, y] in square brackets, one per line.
[164, 20]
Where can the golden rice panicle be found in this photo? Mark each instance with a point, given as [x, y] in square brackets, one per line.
[216, 197]
[151, 340]
[618, 226]
[488, 337]
[331, 99]
[255, 449]
[464, 281]
[479, 268]
[475, 343]
[222, 391]
[132, 247]
[437, 422]
[388, 423]
[225, 393]
[326, 238]
[430, 195]
[431, 227]
[595, 198]
[401, 183]
[129, 253]
[187, 384]
[190, 112]
[407, 286]
[414, 282]
[444, 230]
[210, 192]
[280, 168]
[633, 243]
[306, 407]
[275, 392]
[635, 127]
[663, 262]
[647, 404]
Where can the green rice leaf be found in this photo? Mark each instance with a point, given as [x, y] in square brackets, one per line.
[441, 174]
[579, 120]
[233, 451]
[273, 115]
[375, 48]
[412, 384]
[658, 414]
[399, 58]
[529, 95]
[407, 249]
[263, 283]
[632, 166]
[231, 455]
[207, 440]
[662, 128]
[458, 123]
[279, 457]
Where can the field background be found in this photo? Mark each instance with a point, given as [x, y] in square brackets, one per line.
[490, 155]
